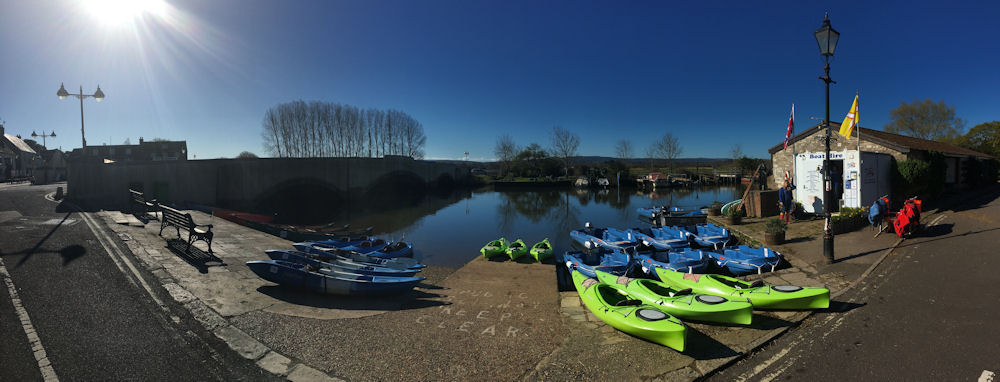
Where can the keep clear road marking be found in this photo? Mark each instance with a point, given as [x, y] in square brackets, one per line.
[986, 376]
[44, 365]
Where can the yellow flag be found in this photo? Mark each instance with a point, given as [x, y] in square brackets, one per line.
[851, 120]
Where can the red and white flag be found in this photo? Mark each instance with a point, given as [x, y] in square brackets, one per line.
[791, 127]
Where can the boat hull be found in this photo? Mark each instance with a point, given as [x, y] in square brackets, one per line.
[604, 302]
[696, 307]
[762, 296]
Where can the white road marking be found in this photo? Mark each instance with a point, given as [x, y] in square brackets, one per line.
[986, 376]
[44, 365]
[936, 220]
[119, 258]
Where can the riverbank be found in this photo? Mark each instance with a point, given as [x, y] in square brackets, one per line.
[486, 320]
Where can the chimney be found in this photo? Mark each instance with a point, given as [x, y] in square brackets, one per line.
[1, 130]
[140, 140]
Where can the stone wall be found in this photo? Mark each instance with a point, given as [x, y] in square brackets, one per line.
[240, 182]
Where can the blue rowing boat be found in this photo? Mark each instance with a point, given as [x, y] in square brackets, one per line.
[608, 238]
[710, 235]
[331, 251]
[337, 264]
[672, 237]
[685, 260]
[326, 280]
[613, 262]
[741, 260]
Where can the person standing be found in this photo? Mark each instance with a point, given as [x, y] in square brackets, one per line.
[786, 202]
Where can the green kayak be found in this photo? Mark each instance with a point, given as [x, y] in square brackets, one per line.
[517, 249]
[762, 296]
[495, 247]
[541, 250]
[682, 303]
[617, 309]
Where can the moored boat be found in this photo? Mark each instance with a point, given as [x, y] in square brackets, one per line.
[683, 260]
[338, 264]
[741, 260]
[326, 250]
[325, 280]
[613, 262]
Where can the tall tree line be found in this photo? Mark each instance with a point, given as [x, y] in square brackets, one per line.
[300, 129]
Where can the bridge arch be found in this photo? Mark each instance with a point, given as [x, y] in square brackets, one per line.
[302, 200]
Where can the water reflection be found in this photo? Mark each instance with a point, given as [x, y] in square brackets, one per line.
[449, 231]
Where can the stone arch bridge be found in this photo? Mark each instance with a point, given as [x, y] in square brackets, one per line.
[251, 184]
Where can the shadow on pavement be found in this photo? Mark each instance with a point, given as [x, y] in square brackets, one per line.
[937, 230]
[702, 347]
[841, 307]
[800, 239]
[964, 203]
[857, 255]
[196, 257]
[969, 233]
[36, 249]
[415, 299]
[68, 253]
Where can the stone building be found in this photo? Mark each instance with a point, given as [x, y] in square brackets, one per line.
[156, 150]
[859, 175]
[17, 159]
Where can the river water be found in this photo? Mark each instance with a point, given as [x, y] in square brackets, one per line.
[450, 230]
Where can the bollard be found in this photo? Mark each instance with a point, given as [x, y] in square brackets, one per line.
[59, 193]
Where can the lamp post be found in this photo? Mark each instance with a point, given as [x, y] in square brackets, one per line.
[98, 96]
[826, 38]
[43, 135]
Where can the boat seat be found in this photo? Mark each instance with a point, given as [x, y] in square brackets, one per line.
[628, 303]
[757, 284]
[682, 292]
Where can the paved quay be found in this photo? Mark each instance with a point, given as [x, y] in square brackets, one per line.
[485, 321]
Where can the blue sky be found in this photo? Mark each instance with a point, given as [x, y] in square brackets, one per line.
[714, 74]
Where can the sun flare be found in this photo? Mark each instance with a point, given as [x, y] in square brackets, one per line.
[118, 12]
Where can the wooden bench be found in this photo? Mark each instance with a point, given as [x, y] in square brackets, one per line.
[139, 199]
[181, 220]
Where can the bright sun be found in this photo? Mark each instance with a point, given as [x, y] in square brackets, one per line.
[118, 12]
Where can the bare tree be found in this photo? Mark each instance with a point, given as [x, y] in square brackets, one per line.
[736, 152]
[505, 150]
[624, 149]
[246, 155]
[321, 129]
[564, 145]
[667, 148]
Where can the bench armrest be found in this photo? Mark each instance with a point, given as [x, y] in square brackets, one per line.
[205, 225]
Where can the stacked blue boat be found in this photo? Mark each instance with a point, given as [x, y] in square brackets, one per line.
[690, 249]
[363, 266]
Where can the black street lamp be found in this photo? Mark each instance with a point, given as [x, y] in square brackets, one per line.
[43, 135]
[826, 38]
[98, 96]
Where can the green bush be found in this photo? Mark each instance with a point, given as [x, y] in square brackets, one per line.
[774, 225]
[924, 178]
[735, 212]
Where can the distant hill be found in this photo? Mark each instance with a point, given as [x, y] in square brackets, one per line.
[602, 159]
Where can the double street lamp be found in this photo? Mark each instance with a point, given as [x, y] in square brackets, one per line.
[826, 38]
[98, 96]
[43, 135]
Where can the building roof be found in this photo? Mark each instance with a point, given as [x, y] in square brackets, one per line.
[19, 144]
[902, 143]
